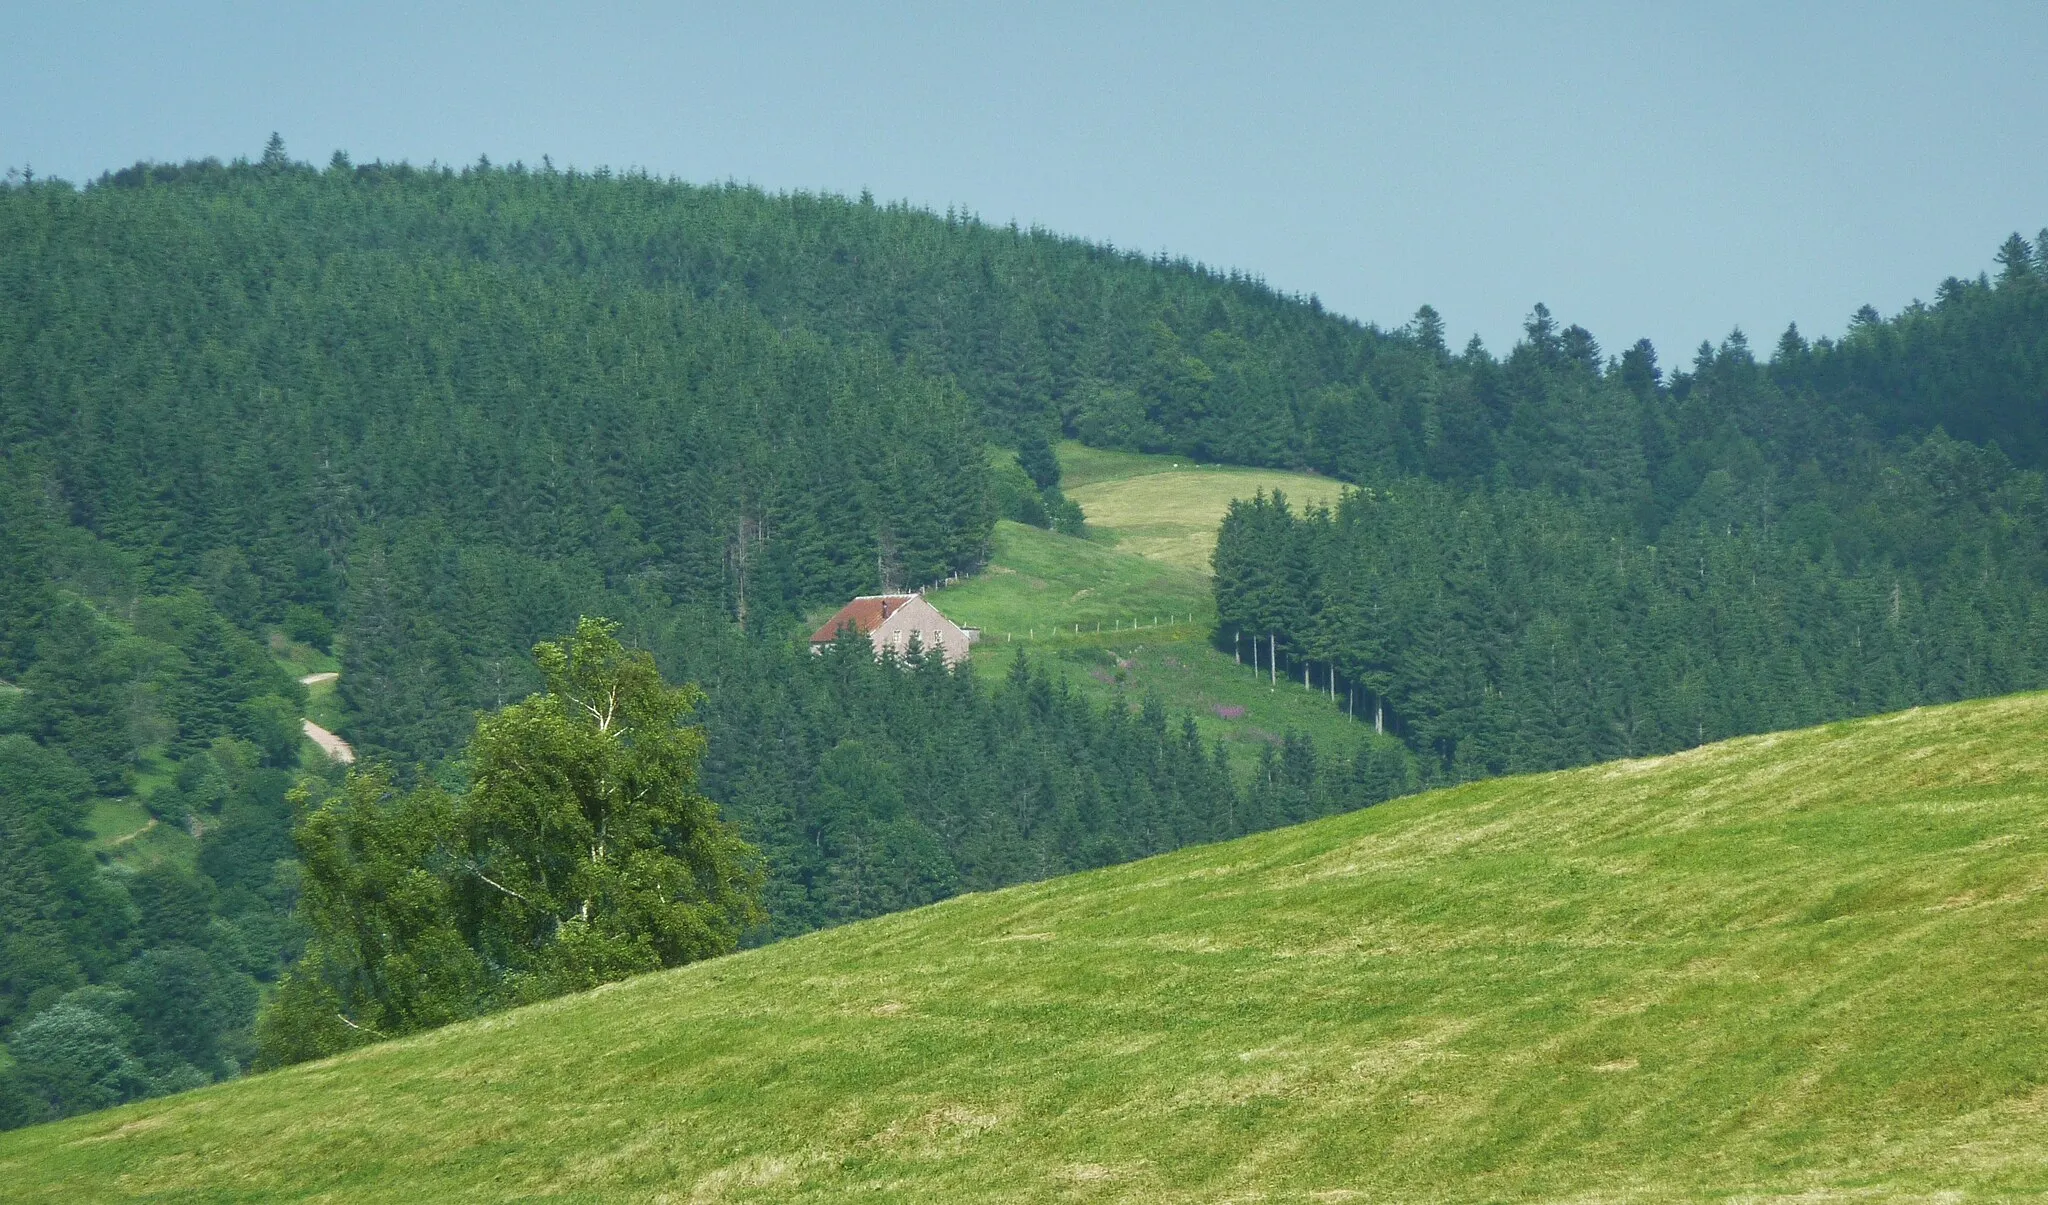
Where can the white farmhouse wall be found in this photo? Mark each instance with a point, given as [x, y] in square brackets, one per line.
[933, 631]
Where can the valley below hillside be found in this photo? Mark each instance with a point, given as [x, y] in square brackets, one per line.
[1799, 964]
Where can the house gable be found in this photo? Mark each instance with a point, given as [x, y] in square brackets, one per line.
[892, 621]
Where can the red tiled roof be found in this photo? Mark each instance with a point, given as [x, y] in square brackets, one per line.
[865, 614]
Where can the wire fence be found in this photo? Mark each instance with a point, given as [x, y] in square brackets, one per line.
[1091, 628]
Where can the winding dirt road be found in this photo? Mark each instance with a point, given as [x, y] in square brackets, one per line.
[333, 746]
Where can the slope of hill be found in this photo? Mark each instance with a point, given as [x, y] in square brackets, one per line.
[1798, 964]
[1132, 609]
[437, 415]
[382, 393]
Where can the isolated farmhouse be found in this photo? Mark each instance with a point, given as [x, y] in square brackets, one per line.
[891, 620]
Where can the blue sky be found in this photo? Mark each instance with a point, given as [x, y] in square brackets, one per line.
[1661, 170]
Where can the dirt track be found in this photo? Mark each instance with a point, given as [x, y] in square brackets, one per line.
[330, 744]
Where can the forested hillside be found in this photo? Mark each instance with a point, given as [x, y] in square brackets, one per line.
[422, 418]
[133, 936]
[450, 457]
[1645, 564]
[391, 393]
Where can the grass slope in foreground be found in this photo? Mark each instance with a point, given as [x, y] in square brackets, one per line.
[1803, 963]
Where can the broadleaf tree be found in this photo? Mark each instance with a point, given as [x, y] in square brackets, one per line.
[586, 831]
[581, 852]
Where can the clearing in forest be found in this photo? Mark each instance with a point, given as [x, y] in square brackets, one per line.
[1167, 509]
[1131, 609]
[1804, 964]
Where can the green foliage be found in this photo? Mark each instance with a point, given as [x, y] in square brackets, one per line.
[1026, 489]
[189, 1009]
[586, 822]
[441, 452]
[880, 858]
[1638, 565]
[127, 973]
[61, 922]
[1506, 631]
[25, 592]
[74, 1057]
[581, 853]
[397, 465]
[175, 907]
[1035, 457]
[1117, 418]
[426, 418]
[1970, 363]
[378, 895]
[1016, 497]
[272, 723]
[309, 625]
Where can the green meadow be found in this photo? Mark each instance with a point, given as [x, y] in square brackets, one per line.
[1802, 965]
[323, 707]
[1043, 586]
[124, 832]
[1130, 609]
[1167, 510]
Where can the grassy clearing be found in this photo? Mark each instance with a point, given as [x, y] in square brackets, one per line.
[323, 699]
[1144, 626]
[300, 658]
[1804, 964]
[1040, 585]
[113, 821]
[323, 705]
[124, 832]
[1082, 465]
[1167, 510]
[1139, 594]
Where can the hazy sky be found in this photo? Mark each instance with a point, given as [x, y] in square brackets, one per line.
[1667, 170]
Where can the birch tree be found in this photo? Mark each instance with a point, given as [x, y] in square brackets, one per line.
[588, 851]
[582, 852]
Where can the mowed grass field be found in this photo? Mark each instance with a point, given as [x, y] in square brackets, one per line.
[1167, 510]
[1809, 964]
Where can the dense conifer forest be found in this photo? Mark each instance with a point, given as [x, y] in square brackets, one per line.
[1641, 564]
[423, 418]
